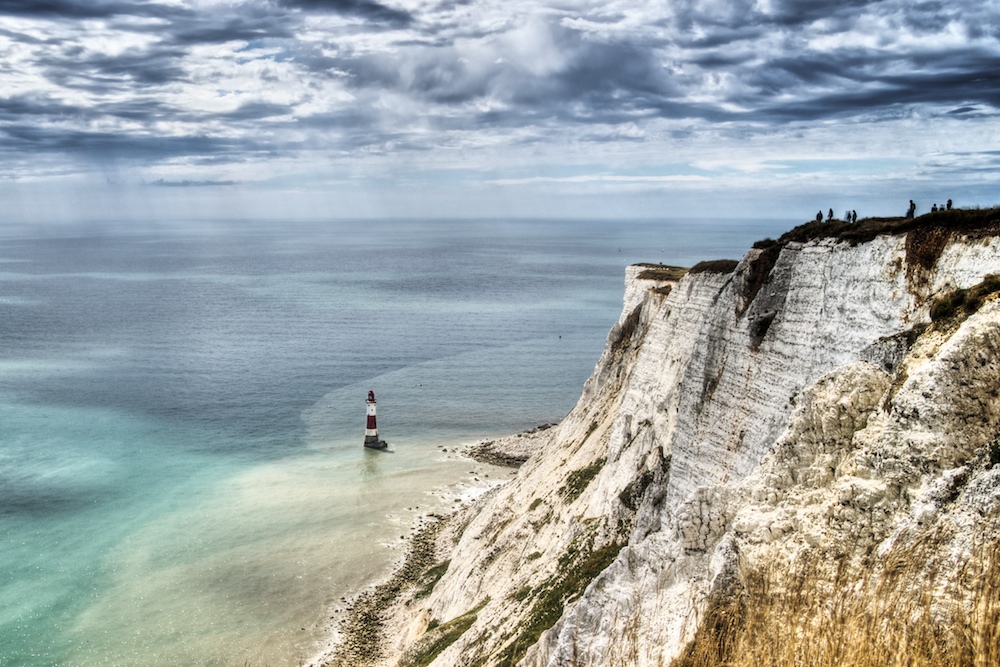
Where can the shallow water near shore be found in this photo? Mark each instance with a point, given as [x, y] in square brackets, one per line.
[182, 408]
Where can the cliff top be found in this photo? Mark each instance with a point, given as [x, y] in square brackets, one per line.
[977, 221]
[661, 272]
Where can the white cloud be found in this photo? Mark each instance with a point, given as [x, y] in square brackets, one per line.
[599, 178]
[519, 95]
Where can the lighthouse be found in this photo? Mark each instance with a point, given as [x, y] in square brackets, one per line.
[371, 430]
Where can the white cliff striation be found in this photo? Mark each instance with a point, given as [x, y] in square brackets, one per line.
[800, 403]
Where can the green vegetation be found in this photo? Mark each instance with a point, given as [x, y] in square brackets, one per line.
[430, 578]
[580, 565]
[534, 504]
[994, 451]
[521, 594]
[632, 494]
[439, 637]
[664, 290]
[578, 480]
[542, 521]
[661, 272]
[715, 266]
[956, 306]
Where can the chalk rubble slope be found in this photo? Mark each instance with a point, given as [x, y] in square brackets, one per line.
[799, 402]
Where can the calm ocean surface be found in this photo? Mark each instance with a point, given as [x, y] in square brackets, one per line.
[182, 480]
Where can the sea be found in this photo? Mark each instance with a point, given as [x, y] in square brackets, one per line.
[182, 410]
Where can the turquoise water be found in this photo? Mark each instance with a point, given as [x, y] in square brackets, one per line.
[182, 409]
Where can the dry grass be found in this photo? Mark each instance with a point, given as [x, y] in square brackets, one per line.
[714, 266]
[905, 612]
[662, 272]
[978, 222]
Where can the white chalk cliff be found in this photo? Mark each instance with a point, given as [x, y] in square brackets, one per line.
[800, 403]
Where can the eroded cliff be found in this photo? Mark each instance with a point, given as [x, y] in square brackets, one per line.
[802, 408]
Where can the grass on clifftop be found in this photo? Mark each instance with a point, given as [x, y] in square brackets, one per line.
[715, 266]
[977, 221]
[661, 272]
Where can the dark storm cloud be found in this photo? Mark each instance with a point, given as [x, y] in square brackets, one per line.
[365, 9]
[255, 111]
[860, 82]
[47, 109]
[597, 80]
[241, 29]
[219, 79]
[77, 9]
[113, 145]
[711, 45]
[793, 13]
[616, 75]
[27, 106]
[131, 68]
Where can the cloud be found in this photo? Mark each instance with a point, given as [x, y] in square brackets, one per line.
[186, 183]
[332, 84]
[115, 146]
[83, 9]
[213, 30]
[602, 178]
[368, 10]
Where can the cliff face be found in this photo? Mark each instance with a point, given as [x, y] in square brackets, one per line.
[800, 404]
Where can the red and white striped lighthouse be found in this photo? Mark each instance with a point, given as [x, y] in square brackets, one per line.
[371, 430]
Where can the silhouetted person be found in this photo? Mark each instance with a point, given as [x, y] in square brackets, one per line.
[829, 216]
[854, 217]
[819, 216]
[912, 210]
[948, 205]
[934, 208]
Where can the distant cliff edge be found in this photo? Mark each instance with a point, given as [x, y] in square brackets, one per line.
[794, 455]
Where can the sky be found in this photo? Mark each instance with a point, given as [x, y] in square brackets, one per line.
[321, 109]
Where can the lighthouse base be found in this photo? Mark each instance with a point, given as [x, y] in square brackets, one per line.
[377, 444]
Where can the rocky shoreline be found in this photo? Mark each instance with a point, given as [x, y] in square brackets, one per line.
[511, 451]
[362, 636]
[362, 629]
